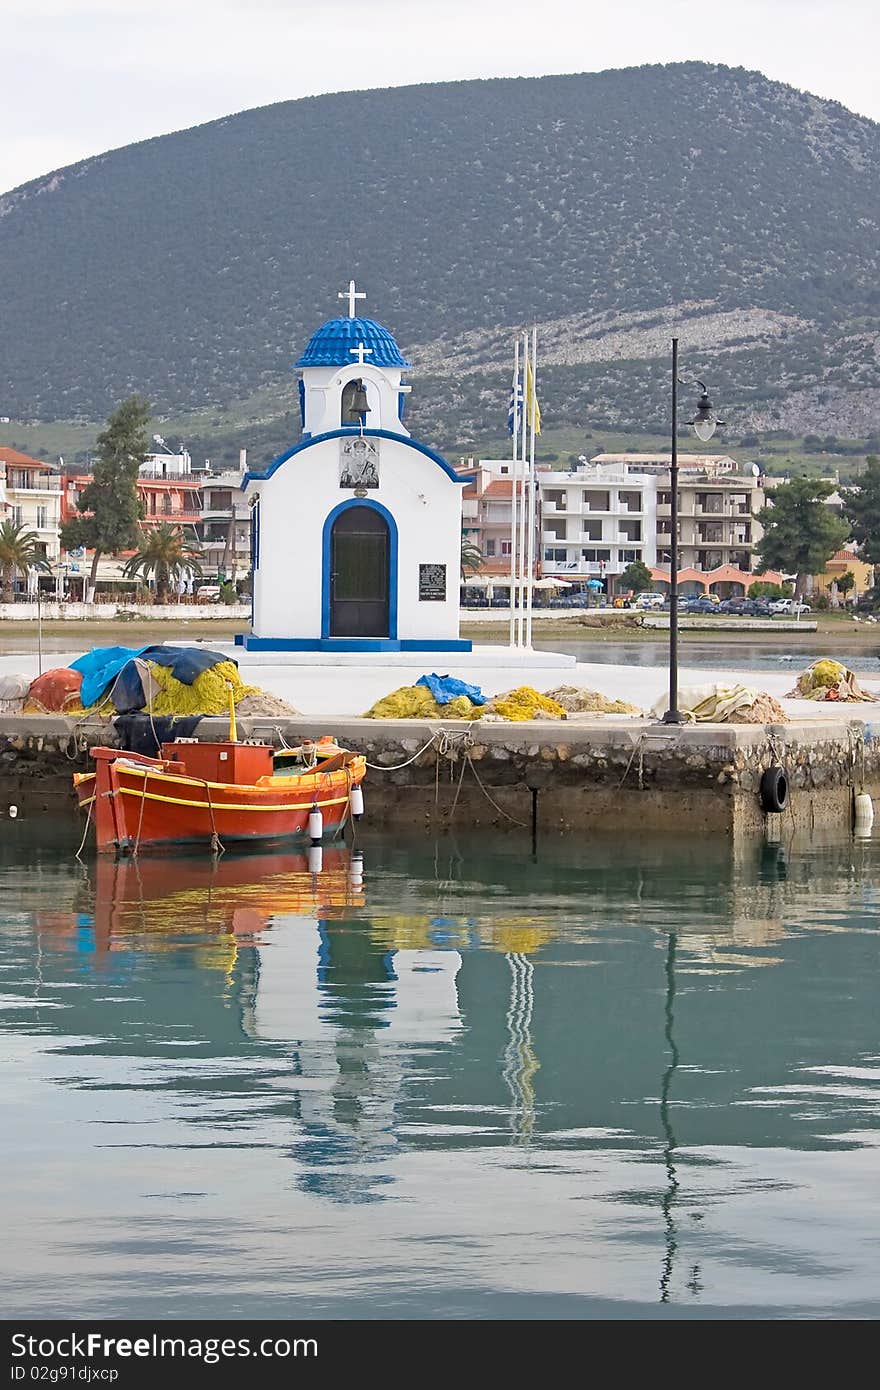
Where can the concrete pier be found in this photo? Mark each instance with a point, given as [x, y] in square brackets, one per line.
[608, 775]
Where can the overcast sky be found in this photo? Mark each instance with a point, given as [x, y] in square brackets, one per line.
[84, 76]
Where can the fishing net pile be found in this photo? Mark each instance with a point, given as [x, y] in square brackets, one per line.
[576, 701]
[159, 680]
[432, 697]
[725, 704]
[763, 710]
[826, 679]
[444, 697]
[523, 703]
[417, 702]
[13, 693]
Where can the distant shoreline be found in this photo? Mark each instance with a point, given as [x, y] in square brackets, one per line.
[833, 633]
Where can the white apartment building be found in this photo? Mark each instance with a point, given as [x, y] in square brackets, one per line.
[596, 519]
[591, 521]
[31, 494]
[164, 463]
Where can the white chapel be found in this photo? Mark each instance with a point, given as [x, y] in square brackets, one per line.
[356, 530]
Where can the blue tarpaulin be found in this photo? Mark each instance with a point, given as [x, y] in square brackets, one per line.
[102, 665]
[446, 688]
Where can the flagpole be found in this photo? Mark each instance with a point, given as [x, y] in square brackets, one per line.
[522, 498]
[513, 492]
[531, 517]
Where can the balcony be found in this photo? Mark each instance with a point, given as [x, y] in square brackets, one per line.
[34, 484]
[223, 514]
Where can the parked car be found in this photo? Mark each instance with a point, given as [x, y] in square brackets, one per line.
[788, 606]
[746, 607]
[649, 599]
[698, 605]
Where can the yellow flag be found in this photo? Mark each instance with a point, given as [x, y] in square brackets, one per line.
[532, 407]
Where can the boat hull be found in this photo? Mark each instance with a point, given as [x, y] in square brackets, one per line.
[137, 803]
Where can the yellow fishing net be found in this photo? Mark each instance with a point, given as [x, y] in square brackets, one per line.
[208, 693]
[524, 703]
[417, 702]
[827, 679]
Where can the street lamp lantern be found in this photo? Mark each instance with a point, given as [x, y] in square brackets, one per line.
[705, 421]
[704, 424]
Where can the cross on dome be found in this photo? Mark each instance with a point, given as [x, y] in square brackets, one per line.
[360, 351]
[351, 294]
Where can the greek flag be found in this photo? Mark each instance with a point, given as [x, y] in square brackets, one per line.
[515, 408]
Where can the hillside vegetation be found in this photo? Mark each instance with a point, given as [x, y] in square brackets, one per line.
[611, 208]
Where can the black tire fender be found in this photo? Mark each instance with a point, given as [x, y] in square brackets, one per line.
[774, 789]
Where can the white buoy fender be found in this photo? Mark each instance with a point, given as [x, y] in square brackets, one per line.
[316, 859]
[316, 826]
[356, 802]
[13, 812]
[864, 810]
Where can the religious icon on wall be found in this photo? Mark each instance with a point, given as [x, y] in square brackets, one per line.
[359, 463]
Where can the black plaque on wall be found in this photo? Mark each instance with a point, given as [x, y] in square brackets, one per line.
[432, 583]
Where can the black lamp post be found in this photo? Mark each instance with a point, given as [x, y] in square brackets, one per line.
[704, 423]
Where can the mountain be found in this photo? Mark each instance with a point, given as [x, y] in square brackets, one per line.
[610, 208]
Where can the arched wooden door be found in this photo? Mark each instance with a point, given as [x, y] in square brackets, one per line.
[359, 574]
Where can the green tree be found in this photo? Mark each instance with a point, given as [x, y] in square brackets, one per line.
[109, 506]
[845, 584]
[762, 589]
[163, 552]
[636, 577]
[800, 532]
[863, 511]
[471, 558]
[19, 551]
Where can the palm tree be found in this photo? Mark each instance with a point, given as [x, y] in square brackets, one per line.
[471, 558]
[163, 552]
[19, 551]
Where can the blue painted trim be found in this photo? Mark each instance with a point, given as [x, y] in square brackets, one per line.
[326, 537]
[348, 644]
[420, 448]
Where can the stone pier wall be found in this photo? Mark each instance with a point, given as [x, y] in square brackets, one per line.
[569, 777]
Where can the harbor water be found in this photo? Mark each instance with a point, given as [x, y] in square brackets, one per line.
[462, 1080]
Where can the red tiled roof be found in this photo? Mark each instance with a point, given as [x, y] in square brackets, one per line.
[17, 458]
[502, 487]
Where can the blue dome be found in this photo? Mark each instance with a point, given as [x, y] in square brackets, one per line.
[331, 345]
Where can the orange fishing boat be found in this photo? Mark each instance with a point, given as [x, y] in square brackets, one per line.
[220, 793]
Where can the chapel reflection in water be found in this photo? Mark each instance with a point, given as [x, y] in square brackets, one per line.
[410, 1007]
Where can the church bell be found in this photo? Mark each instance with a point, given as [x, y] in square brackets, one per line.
[356, 403]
